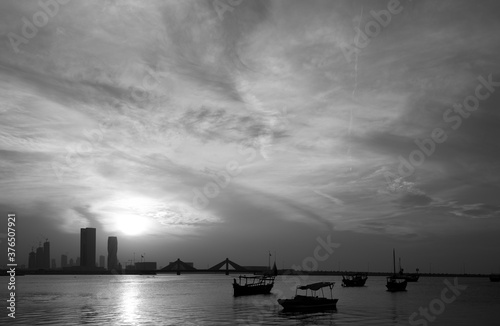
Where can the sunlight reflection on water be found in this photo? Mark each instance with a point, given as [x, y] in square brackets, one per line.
[208, 300]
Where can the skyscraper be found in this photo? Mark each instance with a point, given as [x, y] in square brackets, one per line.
[112, 250]
[32, 260]
[64, 261]
[87, 247]
[46, 254]
[39, 258]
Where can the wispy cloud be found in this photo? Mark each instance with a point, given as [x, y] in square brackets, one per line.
[134, 102]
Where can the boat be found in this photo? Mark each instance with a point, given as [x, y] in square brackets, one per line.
[495, 277]
[249, 285]
[412, 277]
[312, 301]
[395, 282]
[408, 277]
[355, 280]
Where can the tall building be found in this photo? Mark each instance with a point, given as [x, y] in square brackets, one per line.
[39, 258]
[64, 261]
[72, 263]
[46, 254]
[87, 247]
[32, 260]
[53, 263]
[77, 263]
[112, 250]
[101, 261]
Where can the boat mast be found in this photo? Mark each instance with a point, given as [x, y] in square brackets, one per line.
[269, 261]
[394, 260]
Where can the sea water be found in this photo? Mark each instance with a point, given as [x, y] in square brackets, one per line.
[196, 299]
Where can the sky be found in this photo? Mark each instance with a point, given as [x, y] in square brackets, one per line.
[202, 130]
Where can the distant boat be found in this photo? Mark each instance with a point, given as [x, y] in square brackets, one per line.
[312, 301]
[249, 285]
[495, 277]
[411, 277]
[408, 277]
[356, 280]
[395, 283]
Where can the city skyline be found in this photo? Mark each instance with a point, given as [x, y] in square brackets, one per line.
[38, 260]
[198, 131]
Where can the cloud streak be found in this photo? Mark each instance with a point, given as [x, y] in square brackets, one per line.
[134, 103]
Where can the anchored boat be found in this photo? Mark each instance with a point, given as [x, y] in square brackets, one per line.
[408, 277]
[310, 301]
[249, 285]
[354, 280]
[395, 283]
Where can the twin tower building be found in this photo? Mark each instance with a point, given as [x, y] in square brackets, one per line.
[88, 249]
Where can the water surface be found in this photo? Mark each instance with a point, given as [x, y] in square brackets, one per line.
[208, 300]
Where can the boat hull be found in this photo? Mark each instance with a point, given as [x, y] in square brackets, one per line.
[355, 282]
[412, 278]
[303, 303]
[395, 287]
[395, 284]
[495, 278]
[240, 290]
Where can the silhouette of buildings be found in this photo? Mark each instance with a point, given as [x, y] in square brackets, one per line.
[145, 266]
[32, 260]
[77, 262]
[112, 251]
[53, 263]
[87, 247]
[46, 254]
[39, 258]
[72, 262]
[101, 261]
[64, 261]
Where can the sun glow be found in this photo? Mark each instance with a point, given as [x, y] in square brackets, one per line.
[130, 215]
[135, 215]
[131, 224]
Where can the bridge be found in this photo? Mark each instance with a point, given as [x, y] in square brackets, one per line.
[227, 266]
[228, 263]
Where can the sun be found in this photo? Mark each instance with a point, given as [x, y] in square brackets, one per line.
[130, 224]
[130, 216]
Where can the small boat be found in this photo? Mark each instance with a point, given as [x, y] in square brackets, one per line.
[408, 277]
[354, 280]
[253, 285]
[395, 282]
[312, 301]
[495, 277]
[412, 277]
